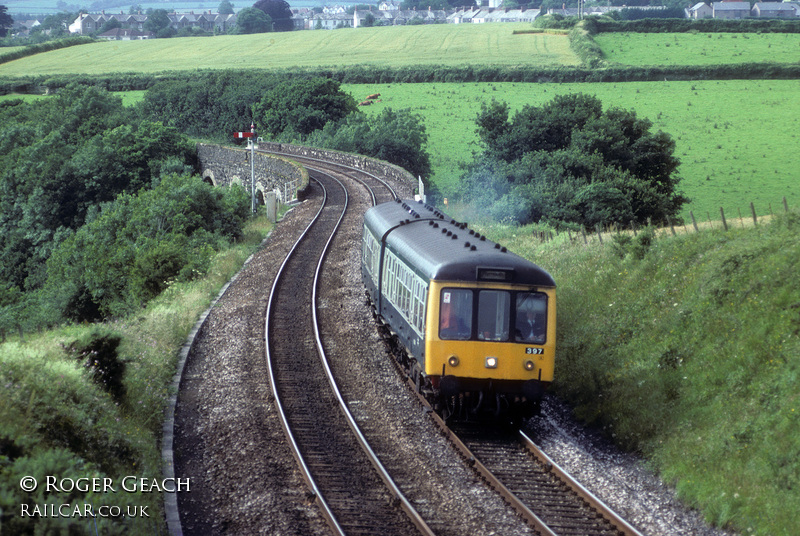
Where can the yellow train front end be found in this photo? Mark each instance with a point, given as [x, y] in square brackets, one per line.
[490, 346]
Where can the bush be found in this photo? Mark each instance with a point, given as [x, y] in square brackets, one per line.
[99, 356]
[138, 245]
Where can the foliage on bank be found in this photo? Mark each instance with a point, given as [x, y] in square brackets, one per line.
[100, 211]
[87, 401]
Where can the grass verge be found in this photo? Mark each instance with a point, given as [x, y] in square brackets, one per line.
[687, 349]
[87, 401]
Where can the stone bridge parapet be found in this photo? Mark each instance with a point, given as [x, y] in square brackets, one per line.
[377, 167]
[223, 166]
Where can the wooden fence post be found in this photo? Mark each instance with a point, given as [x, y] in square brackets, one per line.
[785, 205]
[724, 223]
[694, 222]
[669, 220]
[599, 230]
[753, 210]
[740, 216]
[585, 241]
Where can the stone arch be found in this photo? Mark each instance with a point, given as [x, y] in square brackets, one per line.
[208, 177]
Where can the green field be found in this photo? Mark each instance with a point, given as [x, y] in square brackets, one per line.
[398, 46]
[640, 49]
[736, 139]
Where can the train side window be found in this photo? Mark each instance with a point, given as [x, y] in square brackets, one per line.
[494, 314]
[455, 314]
[531, 317]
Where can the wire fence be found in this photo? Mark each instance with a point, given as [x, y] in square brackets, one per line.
[604, 233]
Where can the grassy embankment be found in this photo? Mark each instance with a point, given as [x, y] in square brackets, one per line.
[55, 420]
[688, 350]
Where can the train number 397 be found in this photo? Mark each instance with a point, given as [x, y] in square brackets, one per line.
[534, 350]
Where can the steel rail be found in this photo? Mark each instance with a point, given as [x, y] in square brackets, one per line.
[318, 496]
[410, 511]
[522, 509]
[319, 500]
[345, 166]
[530, 517]
[619, 523]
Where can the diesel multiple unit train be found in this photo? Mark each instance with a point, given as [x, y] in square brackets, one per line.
[478, 322]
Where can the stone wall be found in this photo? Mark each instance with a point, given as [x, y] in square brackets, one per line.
[223, 166]
[378, 167]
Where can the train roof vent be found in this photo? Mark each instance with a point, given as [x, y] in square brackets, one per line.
[472, 248]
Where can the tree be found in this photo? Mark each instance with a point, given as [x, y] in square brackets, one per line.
[158, 22]
[6, 21]
[252, 20]
[225, 8]
[396, 137]
[280, 13]
[297, 107]
[110, 24]
[570, 161]
[59, 159]
[140, 243]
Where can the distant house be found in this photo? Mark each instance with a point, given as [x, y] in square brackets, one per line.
[388, 6]
[125, 34]
[731, 10]
[773, 10]
[701, 10]
[87, 23]
[329, 21]
[596, 11]
[399, 17]
[23, 27]
[483, 16]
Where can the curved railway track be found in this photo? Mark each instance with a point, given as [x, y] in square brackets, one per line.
[352, 491]
[334, 457]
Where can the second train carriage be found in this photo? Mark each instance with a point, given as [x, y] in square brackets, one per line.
[478, 322]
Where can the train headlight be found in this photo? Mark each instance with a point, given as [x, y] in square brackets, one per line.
[529, 365]
[452, 361]
[491, 362]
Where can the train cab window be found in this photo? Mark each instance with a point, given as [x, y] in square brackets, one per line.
[494, 313]
[531, 317]
[455, 314]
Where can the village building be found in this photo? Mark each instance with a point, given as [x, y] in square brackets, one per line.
[87, 23]
[731, 10]
[700, 10]
[774, 10]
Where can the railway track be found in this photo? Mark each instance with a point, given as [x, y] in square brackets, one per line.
[549, 499]
[347, 486]
[347, 481]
